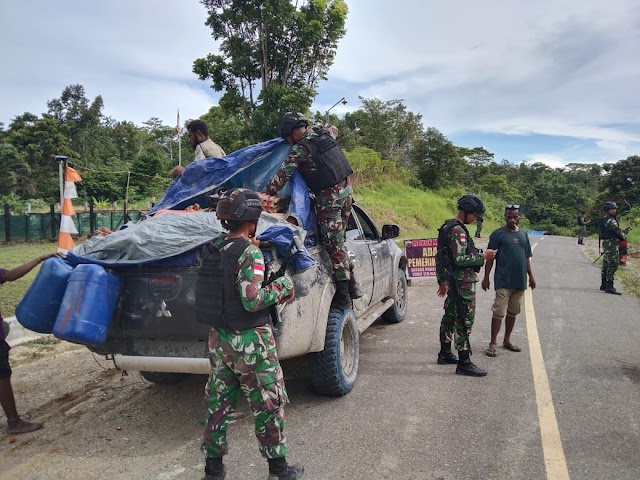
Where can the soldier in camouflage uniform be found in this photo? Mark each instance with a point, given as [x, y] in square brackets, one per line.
[611, 234]
[333, 197]
[457, 277]
[242, 346]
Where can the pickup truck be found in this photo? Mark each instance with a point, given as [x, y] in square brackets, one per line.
[154, 329]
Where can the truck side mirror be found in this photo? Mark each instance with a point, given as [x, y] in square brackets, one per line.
[390, 231]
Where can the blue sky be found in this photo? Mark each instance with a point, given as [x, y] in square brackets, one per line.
[546, 81]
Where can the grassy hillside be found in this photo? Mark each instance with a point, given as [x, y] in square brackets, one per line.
[420, 213]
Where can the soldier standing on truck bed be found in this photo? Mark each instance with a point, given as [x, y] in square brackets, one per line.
[457, 264]
[231, 298]
[326, 171]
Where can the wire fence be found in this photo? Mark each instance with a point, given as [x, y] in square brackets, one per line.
[46, 226]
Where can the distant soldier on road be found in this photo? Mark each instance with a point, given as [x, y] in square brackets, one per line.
[610, 234]
[230, 297]
[479, 222]
[457, 264]
[582, 227]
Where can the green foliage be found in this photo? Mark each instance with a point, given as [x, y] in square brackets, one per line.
[273, 55]
[438, 160]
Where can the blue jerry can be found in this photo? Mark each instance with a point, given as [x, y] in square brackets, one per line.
[39, 307]
[88, 304]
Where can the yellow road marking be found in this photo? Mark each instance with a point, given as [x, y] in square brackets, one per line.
[555, 462]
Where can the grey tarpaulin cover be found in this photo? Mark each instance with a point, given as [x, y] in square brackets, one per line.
[162, 236]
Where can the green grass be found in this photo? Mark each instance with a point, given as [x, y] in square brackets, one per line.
[12, 256]
[419, 213]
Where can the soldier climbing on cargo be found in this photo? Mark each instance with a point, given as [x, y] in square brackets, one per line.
[231, 299]
[457, 264]
[15, 424]
[326, 171]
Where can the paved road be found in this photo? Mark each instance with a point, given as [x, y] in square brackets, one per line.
[407, 417]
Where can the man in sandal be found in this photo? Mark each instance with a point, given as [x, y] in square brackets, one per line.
[513, 265]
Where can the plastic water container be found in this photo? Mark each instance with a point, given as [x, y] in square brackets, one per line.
[39, 307]
[88, 304]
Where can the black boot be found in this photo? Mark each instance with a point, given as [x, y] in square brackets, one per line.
[445, 356]
[279, 469]
[214, 469]
[611, 289]
[467, 367]
[603, 284]
[342, 299]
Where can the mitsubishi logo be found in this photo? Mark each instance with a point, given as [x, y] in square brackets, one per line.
[163, 312]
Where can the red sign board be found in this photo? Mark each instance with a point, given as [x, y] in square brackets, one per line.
[421, 257]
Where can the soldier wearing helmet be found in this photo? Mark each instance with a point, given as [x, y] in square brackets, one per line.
[457, 264]
[242, 347]
[326, 170]
[610, 235]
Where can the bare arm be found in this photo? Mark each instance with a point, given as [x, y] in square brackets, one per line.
[25, 268]
[532, 281]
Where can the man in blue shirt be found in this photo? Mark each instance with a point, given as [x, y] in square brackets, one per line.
[513, 265]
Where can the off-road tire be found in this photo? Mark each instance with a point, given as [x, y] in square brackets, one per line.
[335, 369]
[398, 311]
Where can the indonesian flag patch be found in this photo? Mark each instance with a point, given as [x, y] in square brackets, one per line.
[258, 267]
[463, 237]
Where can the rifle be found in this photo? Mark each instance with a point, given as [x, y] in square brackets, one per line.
[270, 277]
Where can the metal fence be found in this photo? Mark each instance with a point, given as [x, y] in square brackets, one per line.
[44, 226]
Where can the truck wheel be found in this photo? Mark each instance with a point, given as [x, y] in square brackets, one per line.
[334, 370]
[398, 310]
[163, 378]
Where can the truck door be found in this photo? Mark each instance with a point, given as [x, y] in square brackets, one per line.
[363, 265]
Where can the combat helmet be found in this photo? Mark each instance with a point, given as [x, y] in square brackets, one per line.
[609, 205]
[471, 204]
[290, 121]
[240, 205]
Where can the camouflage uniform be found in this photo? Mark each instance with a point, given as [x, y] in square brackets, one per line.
[582, 229]
[456, 325]
[479, 222]
[611, 259]
[333, 204]
[247, 360]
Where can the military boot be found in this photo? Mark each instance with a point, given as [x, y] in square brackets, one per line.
[354, 288]
[446, 356]
[342, 299]
[467, 367]
[603, 284]
[611, 289]
[214, 469]
[279, 469]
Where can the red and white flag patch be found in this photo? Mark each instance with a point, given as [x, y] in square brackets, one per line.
[463, 237]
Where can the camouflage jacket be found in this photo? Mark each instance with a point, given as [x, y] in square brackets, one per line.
[300, 158]
[611, 225]
[250, 277]
[464, 261]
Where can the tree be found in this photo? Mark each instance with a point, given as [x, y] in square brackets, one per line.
[273, 54]
[622, 183]
[386, 127]
[437, 160]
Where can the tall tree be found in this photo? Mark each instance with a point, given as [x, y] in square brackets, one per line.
[437, 160]
[272, 55]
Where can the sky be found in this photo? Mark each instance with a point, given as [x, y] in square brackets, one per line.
[552, 81]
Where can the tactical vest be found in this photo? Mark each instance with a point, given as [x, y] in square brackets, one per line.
[331, 164]
[444, 255]
[218, 302]
[603, 232]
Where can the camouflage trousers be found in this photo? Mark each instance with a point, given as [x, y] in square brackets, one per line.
[610, 259]
[456, 326]
[333, 217]
[582, 231]
[245, 360]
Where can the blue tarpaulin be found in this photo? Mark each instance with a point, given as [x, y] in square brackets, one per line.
[251, 167]
[283, 237]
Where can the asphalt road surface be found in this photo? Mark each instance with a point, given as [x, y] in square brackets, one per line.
[567, 406]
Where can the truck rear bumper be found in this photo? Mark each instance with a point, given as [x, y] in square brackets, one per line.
[162, 364]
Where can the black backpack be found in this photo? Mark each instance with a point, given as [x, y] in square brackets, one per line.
[444, 255]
